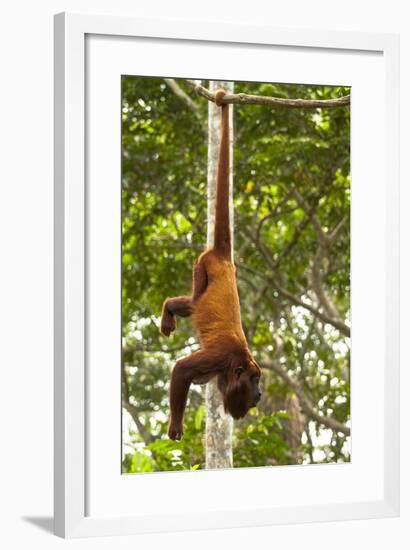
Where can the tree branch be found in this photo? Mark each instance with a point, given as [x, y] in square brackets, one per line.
[179, 92]
[271, 214]
[340, 325]
[274, 102]
[310, 212]
[318, 286]
[326, 239]
[133, 411]
[337, 323]
[334, 234]
[330, 315]
[305, 402]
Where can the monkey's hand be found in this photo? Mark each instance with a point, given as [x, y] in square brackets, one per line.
[175, 430]
[168, 323]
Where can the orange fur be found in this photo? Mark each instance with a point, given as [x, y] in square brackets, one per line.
[216, 313]
[215, 309]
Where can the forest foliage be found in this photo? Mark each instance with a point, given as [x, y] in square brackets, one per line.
[292, 251]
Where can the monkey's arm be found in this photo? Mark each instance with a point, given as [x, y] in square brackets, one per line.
[198, 364]
[171, 307]
[182, 305]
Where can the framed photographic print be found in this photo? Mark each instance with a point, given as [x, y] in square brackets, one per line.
[226, 275]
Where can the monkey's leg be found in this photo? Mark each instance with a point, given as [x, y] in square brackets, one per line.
[199, 364]
[182, 306]
[199, 281]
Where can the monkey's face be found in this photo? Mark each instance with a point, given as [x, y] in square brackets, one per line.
[256, 390]
[240, 388]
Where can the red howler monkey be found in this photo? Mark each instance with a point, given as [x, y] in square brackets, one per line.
[214, 306]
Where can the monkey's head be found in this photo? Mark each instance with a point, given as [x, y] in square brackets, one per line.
[239, 385]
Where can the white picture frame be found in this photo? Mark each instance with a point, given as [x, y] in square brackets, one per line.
[72, 433]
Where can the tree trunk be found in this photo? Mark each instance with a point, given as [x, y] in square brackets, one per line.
[219, 426]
